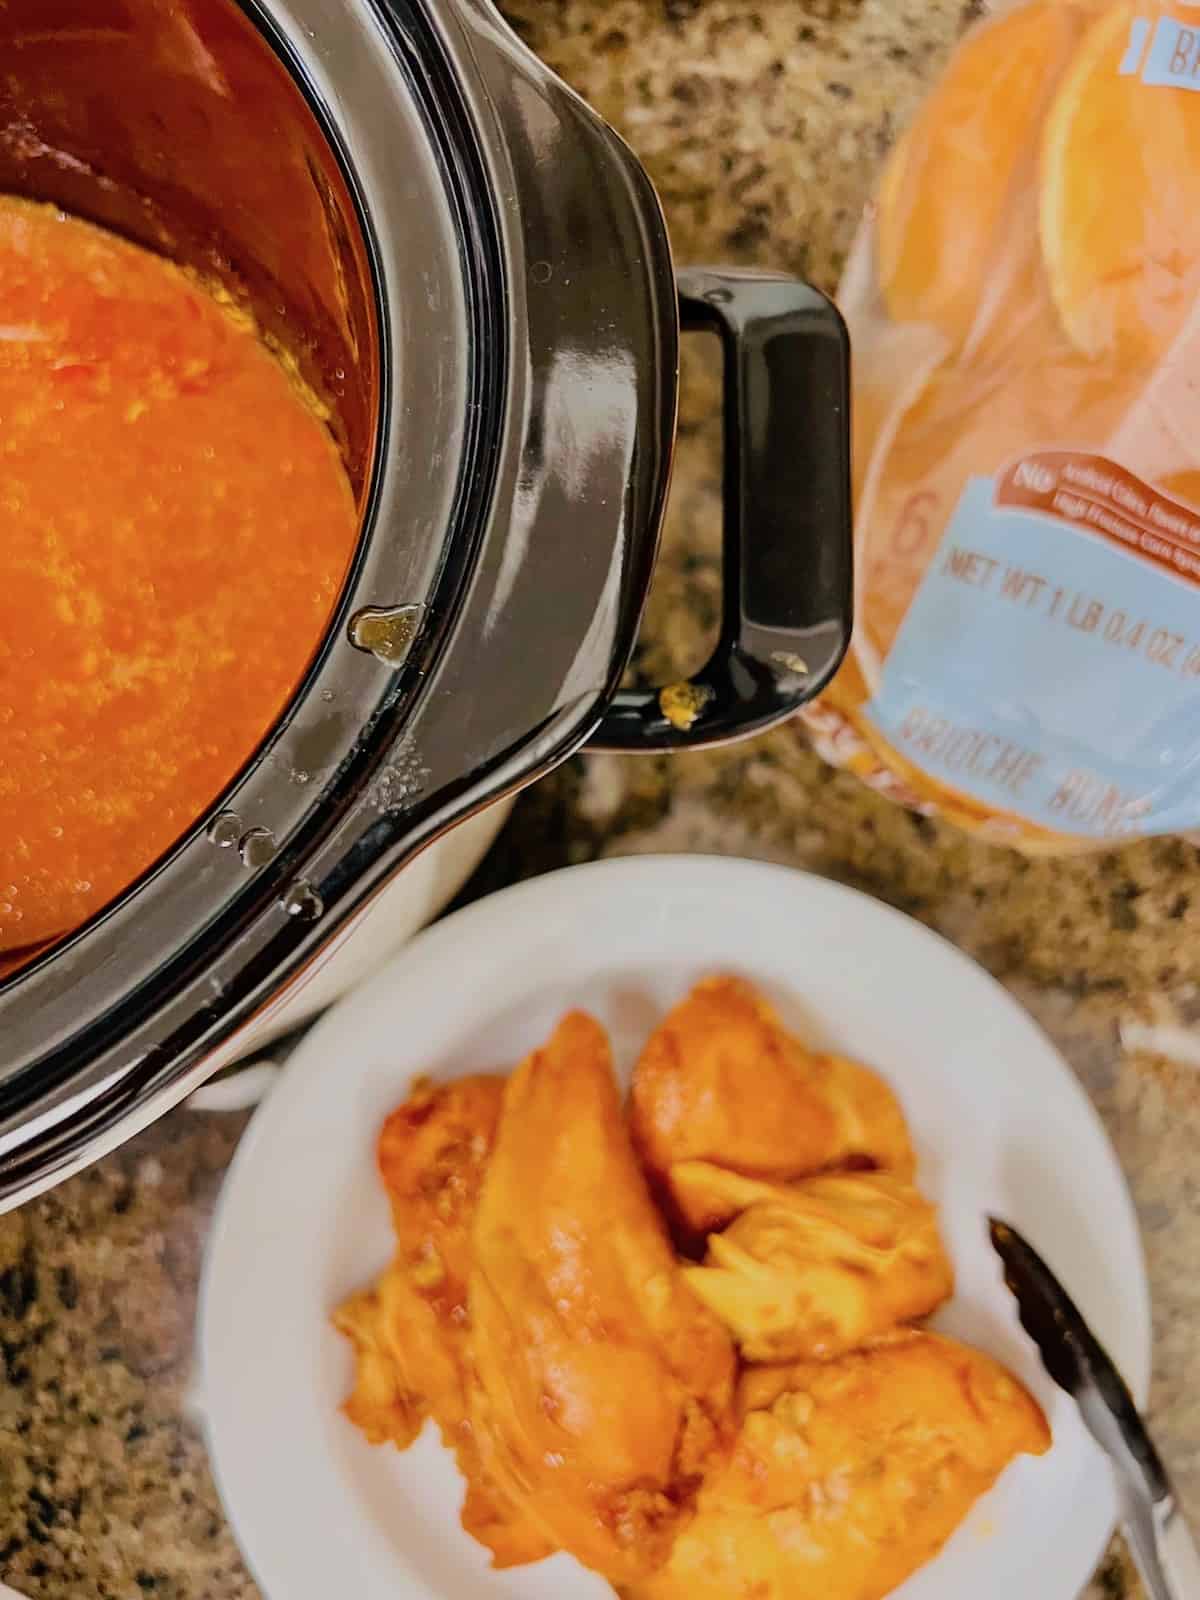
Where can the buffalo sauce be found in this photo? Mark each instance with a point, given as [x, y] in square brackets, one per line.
[175, 525]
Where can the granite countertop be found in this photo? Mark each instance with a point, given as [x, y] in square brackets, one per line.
[763, 123]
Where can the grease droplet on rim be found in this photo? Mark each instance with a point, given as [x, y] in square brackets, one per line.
[386, 632]
[257, 847]
[225, 830]
[302, 900]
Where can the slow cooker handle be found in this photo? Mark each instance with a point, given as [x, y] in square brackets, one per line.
[787, 602]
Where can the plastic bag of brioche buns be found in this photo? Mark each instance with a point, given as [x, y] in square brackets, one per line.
[1024, 302]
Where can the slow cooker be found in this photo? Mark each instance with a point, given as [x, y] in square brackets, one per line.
[475, 271]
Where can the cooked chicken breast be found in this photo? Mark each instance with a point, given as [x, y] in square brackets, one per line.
[850, 1474]
[816, 1267]
[410, 1331]
[605, 1387]
[721, 1080]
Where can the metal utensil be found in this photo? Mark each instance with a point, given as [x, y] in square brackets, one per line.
[1159, 1538]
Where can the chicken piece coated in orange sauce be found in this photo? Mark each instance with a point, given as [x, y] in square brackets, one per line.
[411, 1330]
[722, 1080]
[850, 1474]
[816, 1267]
[605, 1387]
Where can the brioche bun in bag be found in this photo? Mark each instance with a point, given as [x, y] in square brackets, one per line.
[1023, 302]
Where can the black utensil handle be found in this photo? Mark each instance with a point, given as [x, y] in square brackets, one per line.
[787, 601]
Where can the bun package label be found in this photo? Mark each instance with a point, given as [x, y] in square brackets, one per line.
[1173, 59]
[1063, 572]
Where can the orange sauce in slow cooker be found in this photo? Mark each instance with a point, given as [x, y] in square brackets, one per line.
[175, 524]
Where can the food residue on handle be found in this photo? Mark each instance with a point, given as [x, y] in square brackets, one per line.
[682, 703]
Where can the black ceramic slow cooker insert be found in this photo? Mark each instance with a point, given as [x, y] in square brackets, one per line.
[476, 272]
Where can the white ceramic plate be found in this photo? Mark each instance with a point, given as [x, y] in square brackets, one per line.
[999, 1120]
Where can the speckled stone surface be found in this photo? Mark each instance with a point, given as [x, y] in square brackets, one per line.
[763, 123]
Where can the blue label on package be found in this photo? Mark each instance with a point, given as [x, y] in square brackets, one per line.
[1050, 673]
[1174, 58]
[1139, 32]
